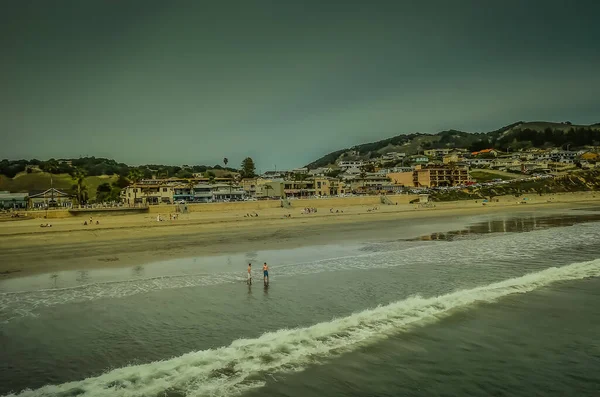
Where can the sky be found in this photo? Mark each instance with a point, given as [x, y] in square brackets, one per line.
[284, 82]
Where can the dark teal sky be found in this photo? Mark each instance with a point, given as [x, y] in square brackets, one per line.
[191, 82]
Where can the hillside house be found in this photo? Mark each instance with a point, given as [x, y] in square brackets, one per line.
[485, 152]
[438, 153]
[351, 164]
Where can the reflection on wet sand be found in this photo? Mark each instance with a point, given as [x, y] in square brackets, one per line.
[512, 225]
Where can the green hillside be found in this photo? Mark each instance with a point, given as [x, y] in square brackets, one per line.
[519, 135]
[24, 182]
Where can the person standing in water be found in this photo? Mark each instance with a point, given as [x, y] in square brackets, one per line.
[249, 281]
[266, 273]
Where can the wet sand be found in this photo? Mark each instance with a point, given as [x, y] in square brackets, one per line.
[27, 249]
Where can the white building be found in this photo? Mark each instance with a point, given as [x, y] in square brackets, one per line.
[351, 164]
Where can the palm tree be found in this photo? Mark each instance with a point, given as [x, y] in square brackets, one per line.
[80, 188]
[190, 185]
[267, 188]
[134, 176]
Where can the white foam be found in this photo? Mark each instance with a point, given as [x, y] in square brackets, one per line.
[246, 362]
[521, 247]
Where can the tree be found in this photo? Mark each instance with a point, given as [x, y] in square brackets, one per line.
[121, 182]
[334, 173]
[368, 167]
[135, 175]
[363, 176]
[190, 185]
[104, 193]
[248, 168]
[267, 188]
[79, 188]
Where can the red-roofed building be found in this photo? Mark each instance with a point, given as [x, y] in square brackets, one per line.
[492, 152]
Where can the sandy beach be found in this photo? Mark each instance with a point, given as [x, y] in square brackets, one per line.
[26, 248]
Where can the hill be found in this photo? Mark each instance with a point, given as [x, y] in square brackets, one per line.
[519, 135]
[97, 166]
[24, 182]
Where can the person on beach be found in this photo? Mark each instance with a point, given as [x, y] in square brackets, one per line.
[249, 281]
[266, 273]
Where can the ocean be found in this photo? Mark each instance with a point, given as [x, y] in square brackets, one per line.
[502, 305]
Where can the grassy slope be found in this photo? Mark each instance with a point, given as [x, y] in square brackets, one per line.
[573, 182]
[41, 180]
[486, 176]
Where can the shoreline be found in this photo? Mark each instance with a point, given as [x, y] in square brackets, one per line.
[135, 239]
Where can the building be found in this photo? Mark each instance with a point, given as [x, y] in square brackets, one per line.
[274, 174]
[226, 192]
[590, 156]
[351, 164]
[505, 163]
[50, 198]
[351, 172]
[249, 185]
[437, 152]
[563, 156]
[302, 170]
[479, 162]
[433, 176]
[270, 188]
[418, 159]
[318, 186]
[372, 182]
[441, 175]
[13, 200]
[489, 152]
[403, 178]
[453, 157]
[208, 193]
[149, 191]
[392, 156]
[321, 171]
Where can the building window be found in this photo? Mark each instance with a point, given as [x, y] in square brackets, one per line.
[164, 189]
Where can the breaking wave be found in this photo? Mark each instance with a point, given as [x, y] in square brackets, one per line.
[246, 363]
[14, 305]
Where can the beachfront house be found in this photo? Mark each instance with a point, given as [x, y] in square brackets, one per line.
[402, 178]
[227, 192]
[49, 198]
[371, 183]
[150, 191]
[433, 176]
[13, 200]
[270, 188]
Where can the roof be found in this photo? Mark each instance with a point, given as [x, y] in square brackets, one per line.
[483, 151]
[48, 193]
[6, 196]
